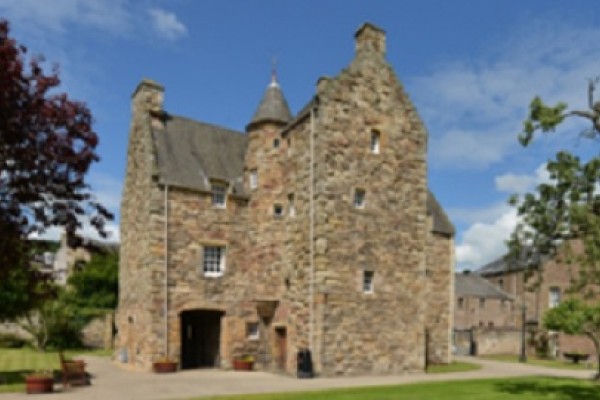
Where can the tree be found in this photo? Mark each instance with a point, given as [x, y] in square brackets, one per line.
[47, 146]
[577, 318]
[565, 210]
[95, 286]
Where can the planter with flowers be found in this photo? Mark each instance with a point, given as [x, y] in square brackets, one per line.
[39, 382]
[164, 365]
[243, 363]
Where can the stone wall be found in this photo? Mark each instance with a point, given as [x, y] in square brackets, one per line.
[98, 333]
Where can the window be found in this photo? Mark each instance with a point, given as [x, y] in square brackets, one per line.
[375, 142]
[252, 331]
[554, 297]
[460, 302]
[276, 143]
[501, 283]
[48, 258]
[359, 198]
[481, 303]
[368, 278]
[278, 210]
[213, 260]
[219, 195]
[291, 205]
[253, 179]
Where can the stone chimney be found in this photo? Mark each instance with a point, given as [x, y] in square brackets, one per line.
[370, 39]
[148, 97]
[149, 94]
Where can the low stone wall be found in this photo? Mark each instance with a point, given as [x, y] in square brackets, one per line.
[497, 341]
[98, 333]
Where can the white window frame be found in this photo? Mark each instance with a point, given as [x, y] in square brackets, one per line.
[368, 282]
[213, 260]
[219, 194]
[252, 330]
[253, 179]
[375, 141]
[553, 296]
[359, 198]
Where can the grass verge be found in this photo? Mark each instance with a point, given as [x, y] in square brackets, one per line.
[455, 366]
[544, 362]
[485, 389]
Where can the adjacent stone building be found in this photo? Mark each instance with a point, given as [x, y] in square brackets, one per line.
[315, 231]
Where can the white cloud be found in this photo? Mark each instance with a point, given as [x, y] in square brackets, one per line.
[107, 190]
[485, 242]
[482, 215]
[166, 24]
[475, 109]
[519, 184]
[87, 231]
[40, 17]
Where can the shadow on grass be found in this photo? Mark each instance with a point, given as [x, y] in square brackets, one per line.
[557, 388]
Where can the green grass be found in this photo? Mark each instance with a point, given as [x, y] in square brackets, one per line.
[455, 366]
[544, 362]
[486, 389]
[16, 363]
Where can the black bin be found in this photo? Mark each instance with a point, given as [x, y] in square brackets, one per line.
[305, 365]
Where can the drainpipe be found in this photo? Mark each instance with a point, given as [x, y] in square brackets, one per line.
[166, 268]
[311, 287]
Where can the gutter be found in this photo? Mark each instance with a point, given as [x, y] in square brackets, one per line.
[166, 269]
[311, 235]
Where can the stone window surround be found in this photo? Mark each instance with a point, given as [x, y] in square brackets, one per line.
[252, 330]
[375, 145]
[358, 198]
[368, 281]
[223, 258]
[253, 179]
[219, 191]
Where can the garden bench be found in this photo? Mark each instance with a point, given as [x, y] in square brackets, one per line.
[73, 372]
[576, 357]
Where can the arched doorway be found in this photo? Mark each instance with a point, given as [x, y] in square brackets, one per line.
[200, 338]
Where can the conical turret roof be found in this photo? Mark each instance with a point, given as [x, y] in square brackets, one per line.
[273, 107]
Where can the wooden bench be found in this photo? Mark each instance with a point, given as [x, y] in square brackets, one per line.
[576, 357]
[73, 372]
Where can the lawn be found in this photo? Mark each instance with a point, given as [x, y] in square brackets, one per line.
[455, 366]
[15, 363]
[487, 389]
[544, 362]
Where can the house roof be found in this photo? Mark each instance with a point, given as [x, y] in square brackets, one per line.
[503, 264]
[272, 108]
[189, 154]
[469, 284]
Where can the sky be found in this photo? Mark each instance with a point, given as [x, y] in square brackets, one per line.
[470, 67]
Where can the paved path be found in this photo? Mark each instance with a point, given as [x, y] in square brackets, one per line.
[112, 382]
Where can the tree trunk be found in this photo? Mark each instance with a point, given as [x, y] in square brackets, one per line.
[597, 348]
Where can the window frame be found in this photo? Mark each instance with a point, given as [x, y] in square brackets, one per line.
[368, 282]
[253, 179]
[360, 198]
[218, 189]
[375, 145]
[554, 296]
[250, 333]
[222, 256]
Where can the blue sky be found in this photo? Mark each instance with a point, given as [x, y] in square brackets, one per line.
[471, 68]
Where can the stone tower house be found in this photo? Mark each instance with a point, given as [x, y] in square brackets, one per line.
[310, 231]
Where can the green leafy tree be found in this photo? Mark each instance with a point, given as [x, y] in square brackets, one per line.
[575, 317]
[95, 286]
[566, 210]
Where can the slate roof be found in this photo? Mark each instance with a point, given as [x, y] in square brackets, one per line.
[190, 153]
[272, 108]
[470, 284]
[503, 265]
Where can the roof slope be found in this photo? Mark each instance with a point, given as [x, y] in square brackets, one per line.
[189, 153]
[468, 284]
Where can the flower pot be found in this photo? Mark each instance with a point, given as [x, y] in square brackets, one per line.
[242, 365]
[162, 367]
[39, 384]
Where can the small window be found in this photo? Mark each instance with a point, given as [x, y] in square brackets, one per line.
[213, 260]
[219, 195]
[252, 331]
[375, 142]
[276, 143]
[460, 302]
[554, 297]
[48, 258]
[291, 205]
[278, 210]
[501, 283]
[253, 179]
[482, 303]
[368, 281]
[359, 198]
